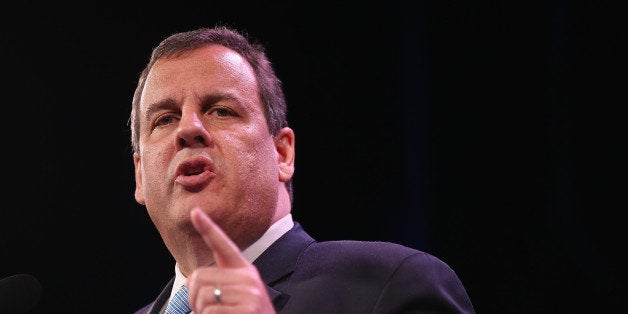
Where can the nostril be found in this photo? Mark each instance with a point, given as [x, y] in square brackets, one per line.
[187, 142]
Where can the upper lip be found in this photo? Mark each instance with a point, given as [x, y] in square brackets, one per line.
[194, 165]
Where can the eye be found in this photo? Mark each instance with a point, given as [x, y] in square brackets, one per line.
[222, 112]
[164, 120]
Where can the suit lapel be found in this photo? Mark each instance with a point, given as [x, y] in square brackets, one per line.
[279, 261]
[161, 300]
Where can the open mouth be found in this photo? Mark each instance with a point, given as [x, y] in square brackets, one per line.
[195, 173]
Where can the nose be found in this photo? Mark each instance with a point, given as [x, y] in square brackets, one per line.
[191, 132]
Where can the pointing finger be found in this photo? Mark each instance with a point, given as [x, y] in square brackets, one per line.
[226, 253]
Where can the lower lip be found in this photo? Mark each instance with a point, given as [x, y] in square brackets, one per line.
[194, 181]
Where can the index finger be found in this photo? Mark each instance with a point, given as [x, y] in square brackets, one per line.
[226, 253]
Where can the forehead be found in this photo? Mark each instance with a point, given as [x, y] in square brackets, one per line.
[208, 67]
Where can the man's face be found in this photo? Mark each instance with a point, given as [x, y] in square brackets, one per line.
[204, 142]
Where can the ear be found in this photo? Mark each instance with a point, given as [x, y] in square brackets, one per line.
[284, 144]
[139, 195]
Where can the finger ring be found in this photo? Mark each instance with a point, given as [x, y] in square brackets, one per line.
[217, 293]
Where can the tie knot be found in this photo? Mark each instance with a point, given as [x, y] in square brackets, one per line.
[179, 303]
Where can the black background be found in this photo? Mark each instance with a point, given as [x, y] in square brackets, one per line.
[489, 134]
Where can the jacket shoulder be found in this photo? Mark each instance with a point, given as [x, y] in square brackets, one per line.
[366, 255]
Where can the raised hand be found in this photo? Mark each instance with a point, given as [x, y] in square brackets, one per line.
[232, 285]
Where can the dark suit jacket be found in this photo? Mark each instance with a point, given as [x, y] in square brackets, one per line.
[305, 276]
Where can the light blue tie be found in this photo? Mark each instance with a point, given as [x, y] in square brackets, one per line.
[179, 303]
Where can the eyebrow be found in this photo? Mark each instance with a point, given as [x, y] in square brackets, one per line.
[157, 106]
[213, 98]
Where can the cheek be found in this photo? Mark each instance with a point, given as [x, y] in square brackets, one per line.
[263, 162]
[153, 164]
[255, 157]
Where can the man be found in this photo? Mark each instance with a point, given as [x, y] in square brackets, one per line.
[214, 159]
